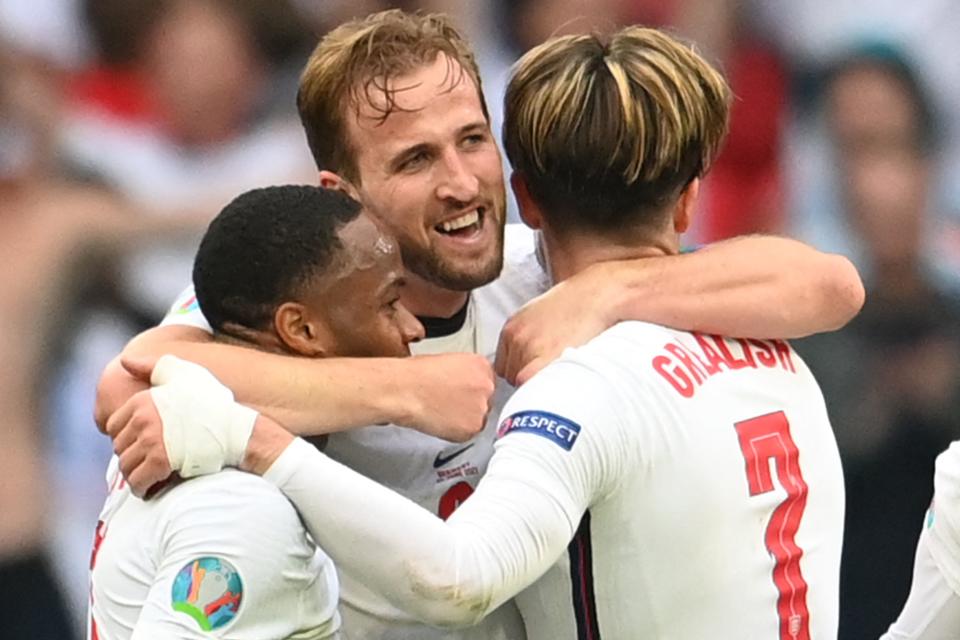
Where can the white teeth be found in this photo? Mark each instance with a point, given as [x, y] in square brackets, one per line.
[465, 220]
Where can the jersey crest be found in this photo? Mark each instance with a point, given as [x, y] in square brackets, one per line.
[557, 429]
[209, 590]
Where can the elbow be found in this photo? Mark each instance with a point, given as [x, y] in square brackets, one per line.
[451, 605]
[845, 293]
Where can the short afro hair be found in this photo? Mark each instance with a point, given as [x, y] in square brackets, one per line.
[263, 246]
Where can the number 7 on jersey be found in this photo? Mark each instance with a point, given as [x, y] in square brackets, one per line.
[764, 438]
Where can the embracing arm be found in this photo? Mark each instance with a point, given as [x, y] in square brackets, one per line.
[442, 395]
[514, 527]
[756, 286]
[451, 573]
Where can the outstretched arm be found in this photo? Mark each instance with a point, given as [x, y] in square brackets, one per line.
[444, 395]
[756, 286]
[512, 529]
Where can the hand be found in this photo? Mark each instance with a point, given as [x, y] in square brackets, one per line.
[137, 433]
[188, 422]
[116, 387]
[568, 315]
[450, 395]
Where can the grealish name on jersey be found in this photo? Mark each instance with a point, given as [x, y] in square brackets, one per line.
[687, 369]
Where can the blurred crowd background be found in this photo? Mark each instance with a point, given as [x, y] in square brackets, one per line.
[126, 124]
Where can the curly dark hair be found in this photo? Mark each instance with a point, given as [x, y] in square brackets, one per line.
[264, 246]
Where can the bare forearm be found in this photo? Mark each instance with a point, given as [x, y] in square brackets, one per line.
[308, 396]
[757, 286]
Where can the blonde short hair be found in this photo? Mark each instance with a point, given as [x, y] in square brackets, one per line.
[607, 132]
[357, 60]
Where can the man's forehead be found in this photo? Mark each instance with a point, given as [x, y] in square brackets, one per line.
[379, 99]
[366, 244]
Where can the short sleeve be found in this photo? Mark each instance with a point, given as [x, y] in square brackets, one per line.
[185, 311]
[235, 563]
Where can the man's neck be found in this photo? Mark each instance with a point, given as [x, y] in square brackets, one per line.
[572, 253]
[426, 299]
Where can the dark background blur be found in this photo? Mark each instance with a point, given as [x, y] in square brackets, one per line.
[125, 126]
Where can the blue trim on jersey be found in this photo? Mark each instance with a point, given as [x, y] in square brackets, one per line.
[557, 429]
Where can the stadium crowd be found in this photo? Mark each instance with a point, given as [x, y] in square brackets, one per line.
[126, 126]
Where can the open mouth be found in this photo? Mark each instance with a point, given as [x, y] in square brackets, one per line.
[465, 226]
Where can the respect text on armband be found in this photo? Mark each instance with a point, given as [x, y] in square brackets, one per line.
[557, 429]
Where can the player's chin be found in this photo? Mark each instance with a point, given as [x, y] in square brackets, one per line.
[466, 275]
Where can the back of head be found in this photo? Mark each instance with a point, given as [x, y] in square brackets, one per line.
[263, 247]
[606, 132]
[357, 61]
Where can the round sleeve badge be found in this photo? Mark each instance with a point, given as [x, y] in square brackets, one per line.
[209, 590]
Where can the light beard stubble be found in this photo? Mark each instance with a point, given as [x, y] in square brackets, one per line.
[434, 269]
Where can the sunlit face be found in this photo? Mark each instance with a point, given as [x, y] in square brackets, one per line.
[431, 175]
[358, 299]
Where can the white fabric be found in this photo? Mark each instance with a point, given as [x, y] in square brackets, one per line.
[203, 429]
[945, 519]
[404, 459]
[289, 586]
[932, 610]
[678, 544]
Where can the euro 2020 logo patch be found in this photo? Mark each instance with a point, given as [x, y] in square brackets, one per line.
[209, 590]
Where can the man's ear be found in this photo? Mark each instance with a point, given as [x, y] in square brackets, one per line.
[528, 209]
[686, 205]
[331, 180]
[302, 333]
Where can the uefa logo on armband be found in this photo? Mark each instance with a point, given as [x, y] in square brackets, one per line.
[209, 590]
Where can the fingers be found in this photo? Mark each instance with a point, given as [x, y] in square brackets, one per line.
[138, 367]
[119, 418]
[500, 360]
[143, 467]
[130, 459]
[531, 369]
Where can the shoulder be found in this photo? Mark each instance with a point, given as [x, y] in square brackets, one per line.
[185, 311]
[229, 502]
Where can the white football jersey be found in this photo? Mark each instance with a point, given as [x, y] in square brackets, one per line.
[932, 610]
[436, 474]
[652, 484]
[223, 556]
[713, 490]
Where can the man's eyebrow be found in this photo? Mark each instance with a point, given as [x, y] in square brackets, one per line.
[420, 147]
[473, 126]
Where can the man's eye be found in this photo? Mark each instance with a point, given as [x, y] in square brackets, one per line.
[474, 139]
[414, 162]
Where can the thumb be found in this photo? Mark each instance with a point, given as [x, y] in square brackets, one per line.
[140, 367]
[532, 368]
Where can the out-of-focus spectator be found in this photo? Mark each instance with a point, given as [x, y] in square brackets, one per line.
[924, 29]
[54, 232]
[206, 130]
[743, 192]
[892, 377]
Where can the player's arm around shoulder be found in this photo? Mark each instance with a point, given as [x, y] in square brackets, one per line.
[235, 562]
[759, 286]
[444, 395]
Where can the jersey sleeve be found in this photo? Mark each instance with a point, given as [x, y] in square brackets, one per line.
[185, 311]
[944, 529]
[932, 610]
[235, 563]
[559, 451]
